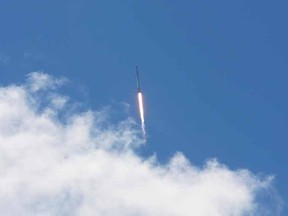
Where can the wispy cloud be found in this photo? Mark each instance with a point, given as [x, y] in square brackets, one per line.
[41, 81]
[35, 56]
[84, 165]
[4, 59]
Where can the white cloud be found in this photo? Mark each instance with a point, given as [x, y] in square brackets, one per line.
[84, 165]
[41, 81]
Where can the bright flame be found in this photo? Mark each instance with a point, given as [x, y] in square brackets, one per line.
[141, 110]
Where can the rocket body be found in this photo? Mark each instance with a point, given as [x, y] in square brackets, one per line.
[138, 80]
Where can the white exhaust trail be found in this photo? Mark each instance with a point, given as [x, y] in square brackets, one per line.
[141, 111]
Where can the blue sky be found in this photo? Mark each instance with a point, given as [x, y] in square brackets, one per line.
[213, 74]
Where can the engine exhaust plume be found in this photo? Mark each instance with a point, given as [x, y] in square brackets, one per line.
[140, 104]
[141, 111]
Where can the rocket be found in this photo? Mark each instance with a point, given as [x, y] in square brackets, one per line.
[140, 103]
[138, 80]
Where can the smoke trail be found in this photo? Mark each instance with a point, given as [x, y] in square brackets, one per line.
[55, 160]
[141, 110]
